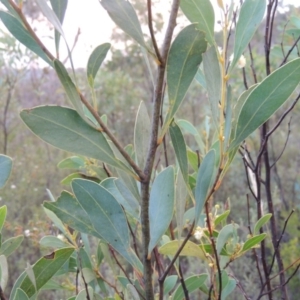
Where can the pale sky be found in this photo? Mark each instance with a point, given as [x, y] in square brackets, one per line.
[96, 26]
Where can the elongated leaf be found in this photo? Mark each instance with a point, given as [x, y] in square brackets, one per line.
[212, 73]
[63, 128]
[250, 16]
[222, 217]
[20, 295]
[82, 295]
[180, 149]
[266, 98]
[44, 269]
[11, 9]
[228, 289]
[200, 78]
[141, 135]
[70, 89]
[22, 35]
[3, 212]
[205, 179]
[51, 16]
[53, 242]
[72, 162]
[124, 15]
[181, 195]
[59, 7]
[95, 61]
[10, 245]
[123, 195]
[192, 283]
[170, 283]
[190, 249]
[261, 222]
[225, 233]
[183, 62]
[4, 272]
[202, 13]
[96, 212]
[5, 169]
[253, 241]
[161, 205]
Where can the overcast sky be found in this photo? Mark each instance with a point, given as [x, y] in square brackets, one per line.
[96, 26]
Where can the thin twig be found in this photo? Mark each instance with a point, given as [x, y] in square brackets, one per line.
[83, 279]
[214, 249]
[150, 25]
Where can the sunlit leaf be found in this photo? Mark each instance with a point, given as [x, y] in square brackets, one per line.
[222, 217]
[200, 12]
[141, 135]
[124, 15]
[189, 249]
[183, 62]
[250, 17]
[95, 61]
[261, 222]
[63, 128]
[22, 35]
[205, 180]
[161, 205]
[3, 212]
[253, 241]
[266, 98]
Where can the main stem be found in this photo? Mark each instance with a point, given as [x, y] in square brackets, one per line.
[145, 183]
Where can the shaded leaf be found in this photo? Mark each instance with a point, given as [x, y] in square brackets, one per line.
[227, 232]
[5, 169]
[96, 212]
[124, 15]
[10, 245]
[192, 283]
[141, 135]
[183, 62]
[202, 13]
[205, 180]
[20, 295]
[179, 146]
[70, 89]
[230, 286]
[161, 205]
[73, 162]
[82, 295]
[170, 283]
[22, 35]
[200, 78]
[123, 195]
[250, 17]
[59, 7]
[212, 73]
[261, 222]
[181, 194]
[266, 98]
[44, 269]
[4, 272]
[53, 242]
[95, 61]
[63, 128]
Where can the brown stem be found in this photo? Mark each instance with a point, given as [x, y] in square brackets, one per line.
[145, 184]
